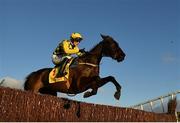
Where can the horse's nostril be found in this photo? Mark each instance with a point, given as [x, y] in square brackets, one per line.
[123, 54]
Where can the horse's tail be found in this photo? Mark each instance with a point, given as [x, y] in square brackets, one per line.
[29, 81]
[32, 78]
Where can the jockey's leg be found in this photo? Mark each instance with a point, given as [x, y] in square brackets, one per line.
[62, 68]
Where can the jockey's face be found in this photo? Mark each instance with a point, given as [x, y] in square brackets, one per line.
[76, 43]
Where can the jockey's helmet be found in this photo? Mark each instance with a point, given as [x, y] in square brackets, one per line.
[76, 37]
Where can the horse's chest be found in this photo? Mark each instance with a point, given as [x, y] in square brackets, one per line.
[87, 72]
[91, 71]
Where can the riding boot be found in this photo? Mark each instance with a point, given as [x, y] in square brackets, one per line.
[62, 67]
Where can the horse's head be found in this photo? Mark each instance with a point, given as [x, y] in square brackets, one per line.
[112, 49]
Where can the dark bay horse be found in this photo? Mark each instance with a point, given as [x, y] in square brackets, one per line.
[84, 76]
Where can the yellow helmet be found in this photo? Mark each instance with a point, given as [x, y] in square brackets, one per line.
[76, 36]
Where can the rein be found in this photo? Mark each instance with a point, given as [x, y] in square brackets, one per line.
[90, 64]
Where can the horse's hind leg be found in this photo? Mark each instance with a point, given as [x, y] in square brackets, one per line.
[47, 91]
[33, 85]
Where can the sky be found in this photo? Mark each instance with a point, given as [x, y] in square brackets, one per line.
[148, 31]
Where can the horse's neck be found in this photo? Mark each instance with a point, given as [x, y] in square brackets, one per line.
[96, 53]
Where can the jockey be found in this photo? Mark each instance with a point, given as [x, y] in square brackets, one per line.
[62, 53]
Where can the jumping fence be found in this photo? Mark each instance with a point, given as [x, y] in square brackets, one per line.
[23, 106]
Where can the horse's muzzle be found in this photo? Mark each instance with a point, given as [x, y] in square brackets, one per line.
[121, 58]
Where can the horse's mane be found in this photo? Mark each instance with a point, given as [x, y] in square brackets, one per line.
[89, 53]
[106, 38]
[103, 44]
[95, 46]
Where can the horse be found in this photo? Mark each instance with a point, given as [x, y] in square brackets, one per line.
[83, 76]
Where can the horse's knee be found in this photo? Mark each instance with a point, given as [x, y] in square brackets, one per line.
[118, 86]
[111, 78]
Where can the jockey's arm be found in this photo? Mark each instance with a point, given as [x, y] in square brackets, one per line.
[67, 50]
[79, 54]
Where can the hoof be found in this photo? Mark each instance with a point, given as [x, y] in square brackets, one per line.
[117, 95]
[87, 94]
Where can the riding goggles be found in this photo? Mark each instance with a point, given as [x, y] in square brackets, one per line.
[77, 39]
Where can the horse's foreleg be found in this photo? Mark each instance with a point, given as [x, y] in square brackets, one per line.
[93, 85]
[103, 81]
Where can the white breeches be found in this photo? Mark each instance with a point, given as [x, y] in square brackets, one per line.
[56, 59]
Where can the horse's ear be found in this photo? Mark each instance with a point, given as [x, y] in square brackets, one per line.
[104, 36]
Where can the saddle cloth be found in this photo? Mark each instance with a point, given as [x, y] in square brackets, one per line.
[54, 72]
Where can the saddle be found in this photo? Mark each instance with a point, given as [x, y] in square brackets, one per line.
[54, 72]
